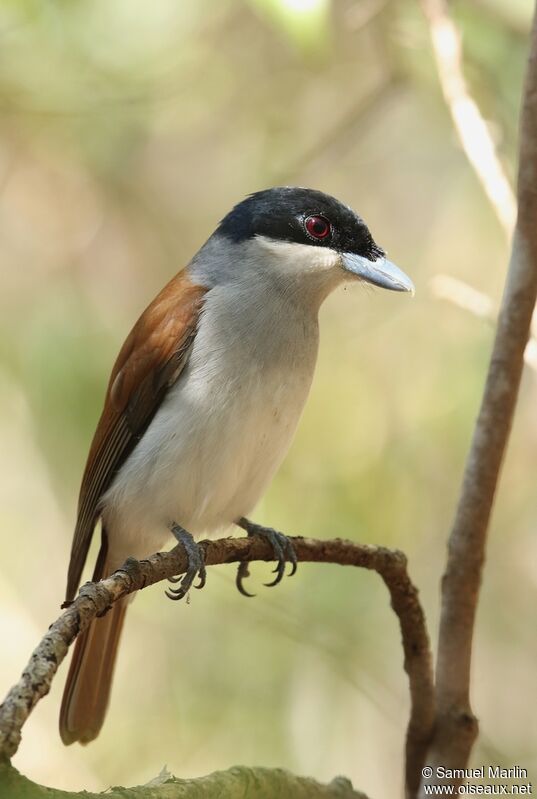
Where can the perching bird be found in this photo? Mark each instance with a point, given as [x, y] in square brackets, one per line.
[203, 402]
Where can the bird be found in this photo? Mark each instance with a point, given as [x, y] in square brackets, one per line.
[203, 402]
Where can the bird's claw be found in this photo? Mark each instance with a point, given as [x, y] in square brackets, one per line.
[196, 565]
[283, 552]
[242, 572]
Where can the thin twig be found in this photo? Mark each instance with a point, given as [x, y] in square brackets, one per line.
[96, 598]
[471, 128]
[456, 727]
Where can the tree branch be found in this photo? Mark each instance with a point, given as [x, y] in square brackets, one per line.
[235, 783]
[95, 599]
[456, 727]
[474, 135]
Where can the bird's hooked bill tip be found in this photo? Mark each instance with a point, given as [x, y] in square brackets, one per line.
[382, 273]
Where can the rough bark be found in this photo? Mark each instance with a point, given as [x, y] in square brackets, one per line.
[456, 726]
[238, 782]
[95, 598]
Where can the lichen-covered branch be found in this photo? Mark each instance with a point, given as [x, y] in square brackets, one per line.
[235, 783]
[456, 726]
[95, 598]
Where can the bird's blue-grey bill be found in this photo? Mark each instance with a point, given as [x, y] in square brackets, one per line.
[380, 272]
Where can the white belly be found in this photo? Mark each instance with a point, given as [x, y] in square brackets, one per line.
[221, 432]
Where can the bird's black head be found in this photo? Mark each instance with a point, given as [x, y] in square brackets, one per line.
[303, 216]
[309, 232]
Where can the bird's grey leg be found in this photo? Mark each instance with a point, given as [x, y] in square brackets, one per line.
[282, 548]
[196, 564]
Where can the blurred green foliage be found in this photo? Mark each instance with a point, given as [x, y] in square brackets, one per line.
[127, 130]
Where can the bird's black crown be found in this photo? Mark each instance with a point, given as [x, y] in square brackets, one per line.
[283, 212]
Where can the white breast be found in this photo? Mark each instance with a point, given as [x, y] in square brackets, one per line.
[224, 427]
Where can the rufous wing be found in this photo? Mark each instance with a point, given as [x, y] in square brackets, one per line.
[150, 361]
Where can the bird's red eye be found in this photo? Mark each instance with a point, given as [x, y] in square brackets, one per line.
[317, 227]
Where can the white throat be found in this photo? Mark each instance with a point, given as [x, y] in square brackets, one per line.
[224, 428]
[306, 274]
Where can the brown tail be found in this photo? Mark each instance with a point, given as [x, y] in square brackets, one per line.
[87, 690]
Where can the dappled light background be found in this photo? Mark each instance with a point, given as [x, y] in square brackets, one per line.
[127, 130]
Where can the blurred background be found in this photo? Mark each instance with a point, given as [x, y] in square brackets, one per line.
[127, 130]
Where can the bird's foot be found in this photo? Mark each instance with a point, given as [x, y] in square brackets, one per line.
[196, 564]
[281, 546]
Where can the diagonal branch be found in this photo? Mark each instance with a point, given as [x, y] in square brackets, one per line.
[456, 726]
[472, 130]
[95, 599]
